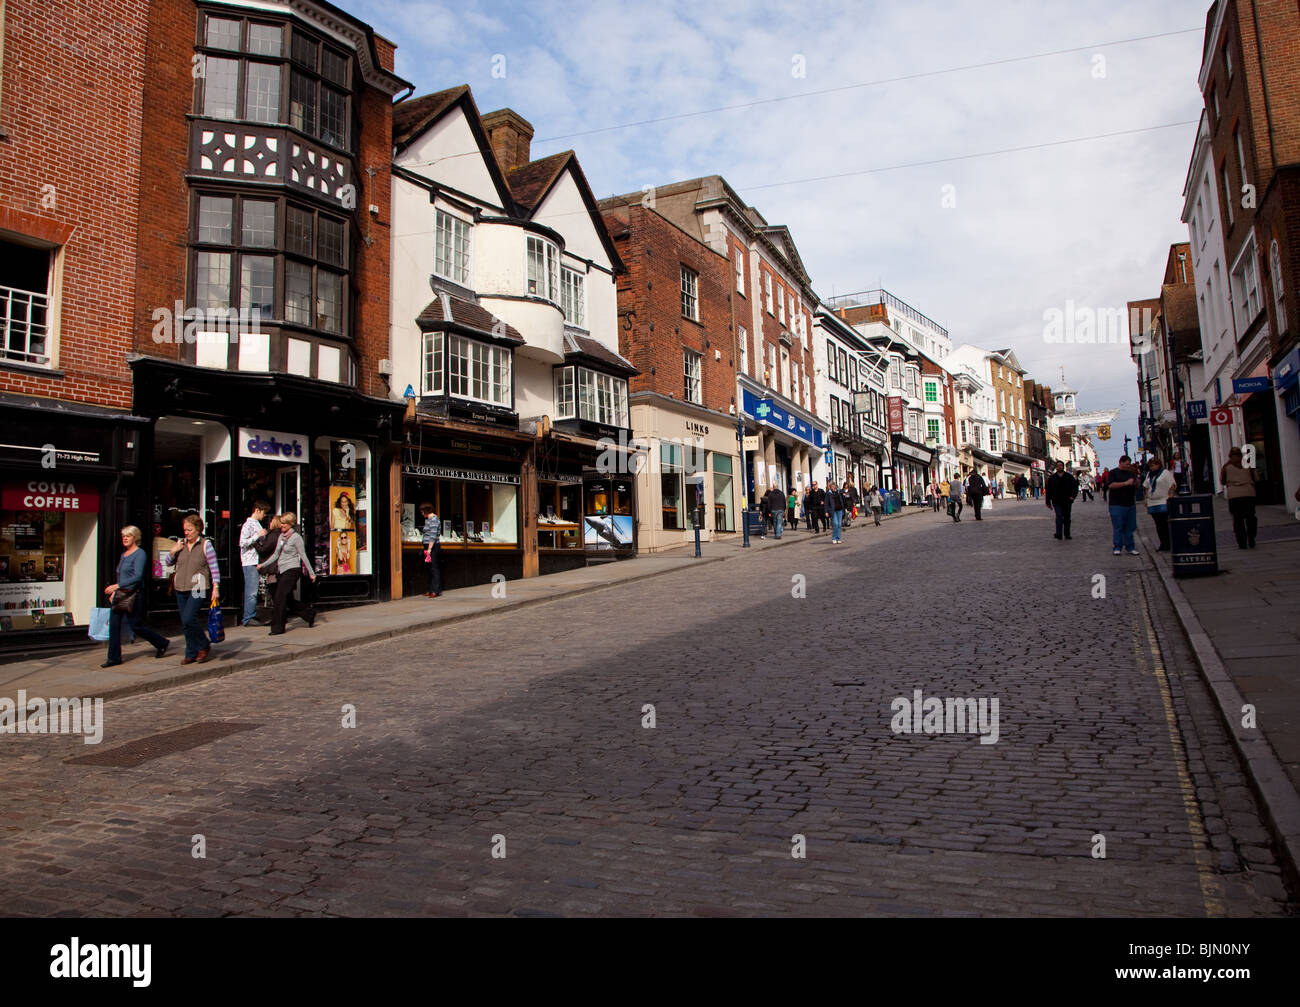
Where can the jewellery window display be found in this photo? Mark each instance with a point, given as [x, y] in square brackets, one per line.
[473, 514]
[607, 521]
[559, 521]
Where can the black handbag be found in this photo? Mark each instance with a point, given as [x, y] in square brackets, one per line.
[123, 600]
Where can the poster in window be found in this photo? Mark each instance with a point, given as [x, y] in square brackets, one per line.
[361, 531]
[342, 560]
[343, 508]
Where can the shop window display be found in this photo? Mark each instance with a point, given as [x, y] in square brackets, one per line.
[474, 514]
[31, 567]
[608, 518]
[559, 521]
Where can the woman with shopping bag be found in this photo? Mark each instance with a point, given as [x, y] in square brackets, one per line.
[196, 575]
[289, 561]
[126, 600]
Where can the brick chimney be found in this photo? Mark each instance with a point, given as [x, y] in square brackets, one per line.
[510, 135]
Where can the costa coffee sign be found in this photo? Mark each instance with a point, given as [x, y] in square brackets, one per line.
[271, 445]
[41, 495]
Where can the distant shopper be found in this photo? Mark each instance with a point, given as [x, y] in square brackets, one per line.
[976, 490]
[834, 511]
[289, 561]
[815, 508]
[249, 535]
[1239, 487]
[955, 491]
[195, 576]
[1103, 483]
[791, 509]
[1160, 486]
[431, 538]
[1121, 492]
[876, 502]
[130, 582]
[776, 509]
[1062, 488]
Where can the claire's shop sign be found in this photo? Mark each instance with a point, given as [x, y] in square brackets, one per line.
[41, 495]
[272, 445]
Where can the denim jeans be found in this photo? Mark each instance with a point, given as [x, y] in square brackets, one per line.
[837, 522]
[778, 518]
[1123, 523]
[435, 568]
[136, 621]
[194, 619]
[250, 594]
[1063, 518]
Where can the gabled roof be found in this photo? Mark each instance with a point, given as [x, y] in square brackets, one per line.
[584, 346]
[531, 183]
[447, 310]
[1009, 356]
[414, 117]
[780, 237]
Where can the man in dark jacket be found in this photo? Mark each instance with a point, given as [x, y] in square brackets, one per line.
[815, 508]
[976, 490]
[776, 509]
[1062, 488]
[834, 511]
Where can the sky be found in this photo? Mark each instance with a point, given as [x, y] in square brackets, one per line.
[987, 246]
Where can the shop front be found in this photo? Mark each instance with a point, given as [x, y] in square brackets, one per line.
[911, 469]
[793, 447]
[68, 482]
[221, 441]
[689, 464]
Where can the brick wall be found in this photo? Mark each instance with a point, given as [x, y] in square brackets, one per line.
[653, 332]
[70, 104]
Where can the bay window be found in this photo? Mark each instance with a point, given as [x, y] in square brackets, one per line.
[466, 369]
[601, 398]
[543, 269]
[306, 85]
[451, 248]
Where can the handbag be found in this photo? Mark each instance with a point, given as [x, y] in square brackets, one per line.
[123, 600]
[215, 629]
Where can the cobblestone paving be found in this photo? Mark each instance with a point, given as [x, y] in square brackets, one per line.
[773, 719]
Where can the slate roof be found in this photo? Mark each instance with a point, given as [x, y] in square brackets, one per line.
[577, 345]
[468, 314]
[410, 117]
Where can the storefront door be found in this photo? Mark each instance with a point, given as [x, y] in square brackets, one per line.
[288, 490]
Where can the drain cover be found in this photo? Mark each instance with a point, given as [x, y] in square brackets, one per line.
[155, 746]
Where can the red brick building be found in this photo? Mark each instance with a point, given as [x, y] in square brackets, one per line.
[675, 326]
[261, 318]
[203, 287]
[1250, 81]
[70, 136]
[772, 301]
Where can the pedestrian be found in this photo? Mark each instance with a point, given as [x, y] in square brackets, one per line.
[249, 535]
[431, 538]
[876, 502]
[955, 490]
[1161, 486]
[1062, 488]
[792, 502]
[265, 549]
[288, 561]
[976, 490]
[1121, 495]
[1239, 487]
[1103, 482]
[126, 600]
[764, 513]
[834, 511]
[816, 508]
[850, 494]
[776, 508]
[194, 576]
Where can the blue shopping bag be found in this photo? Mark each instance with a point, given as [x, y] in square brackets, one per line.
[99, 624]
[216, 631]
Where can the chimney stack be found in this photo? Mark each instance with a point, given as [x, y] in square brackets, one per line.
[511, 136]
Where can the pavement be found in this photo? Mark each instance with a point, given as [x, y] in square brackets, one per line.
[716, 739]
[245, 648]
[1244, 627]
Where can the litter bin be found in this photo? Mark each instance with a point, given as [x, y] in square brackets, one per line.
[1191, 535]
[755, 521]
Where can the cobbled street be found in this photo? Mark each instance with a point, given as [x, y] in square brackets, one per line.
[522, 733]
